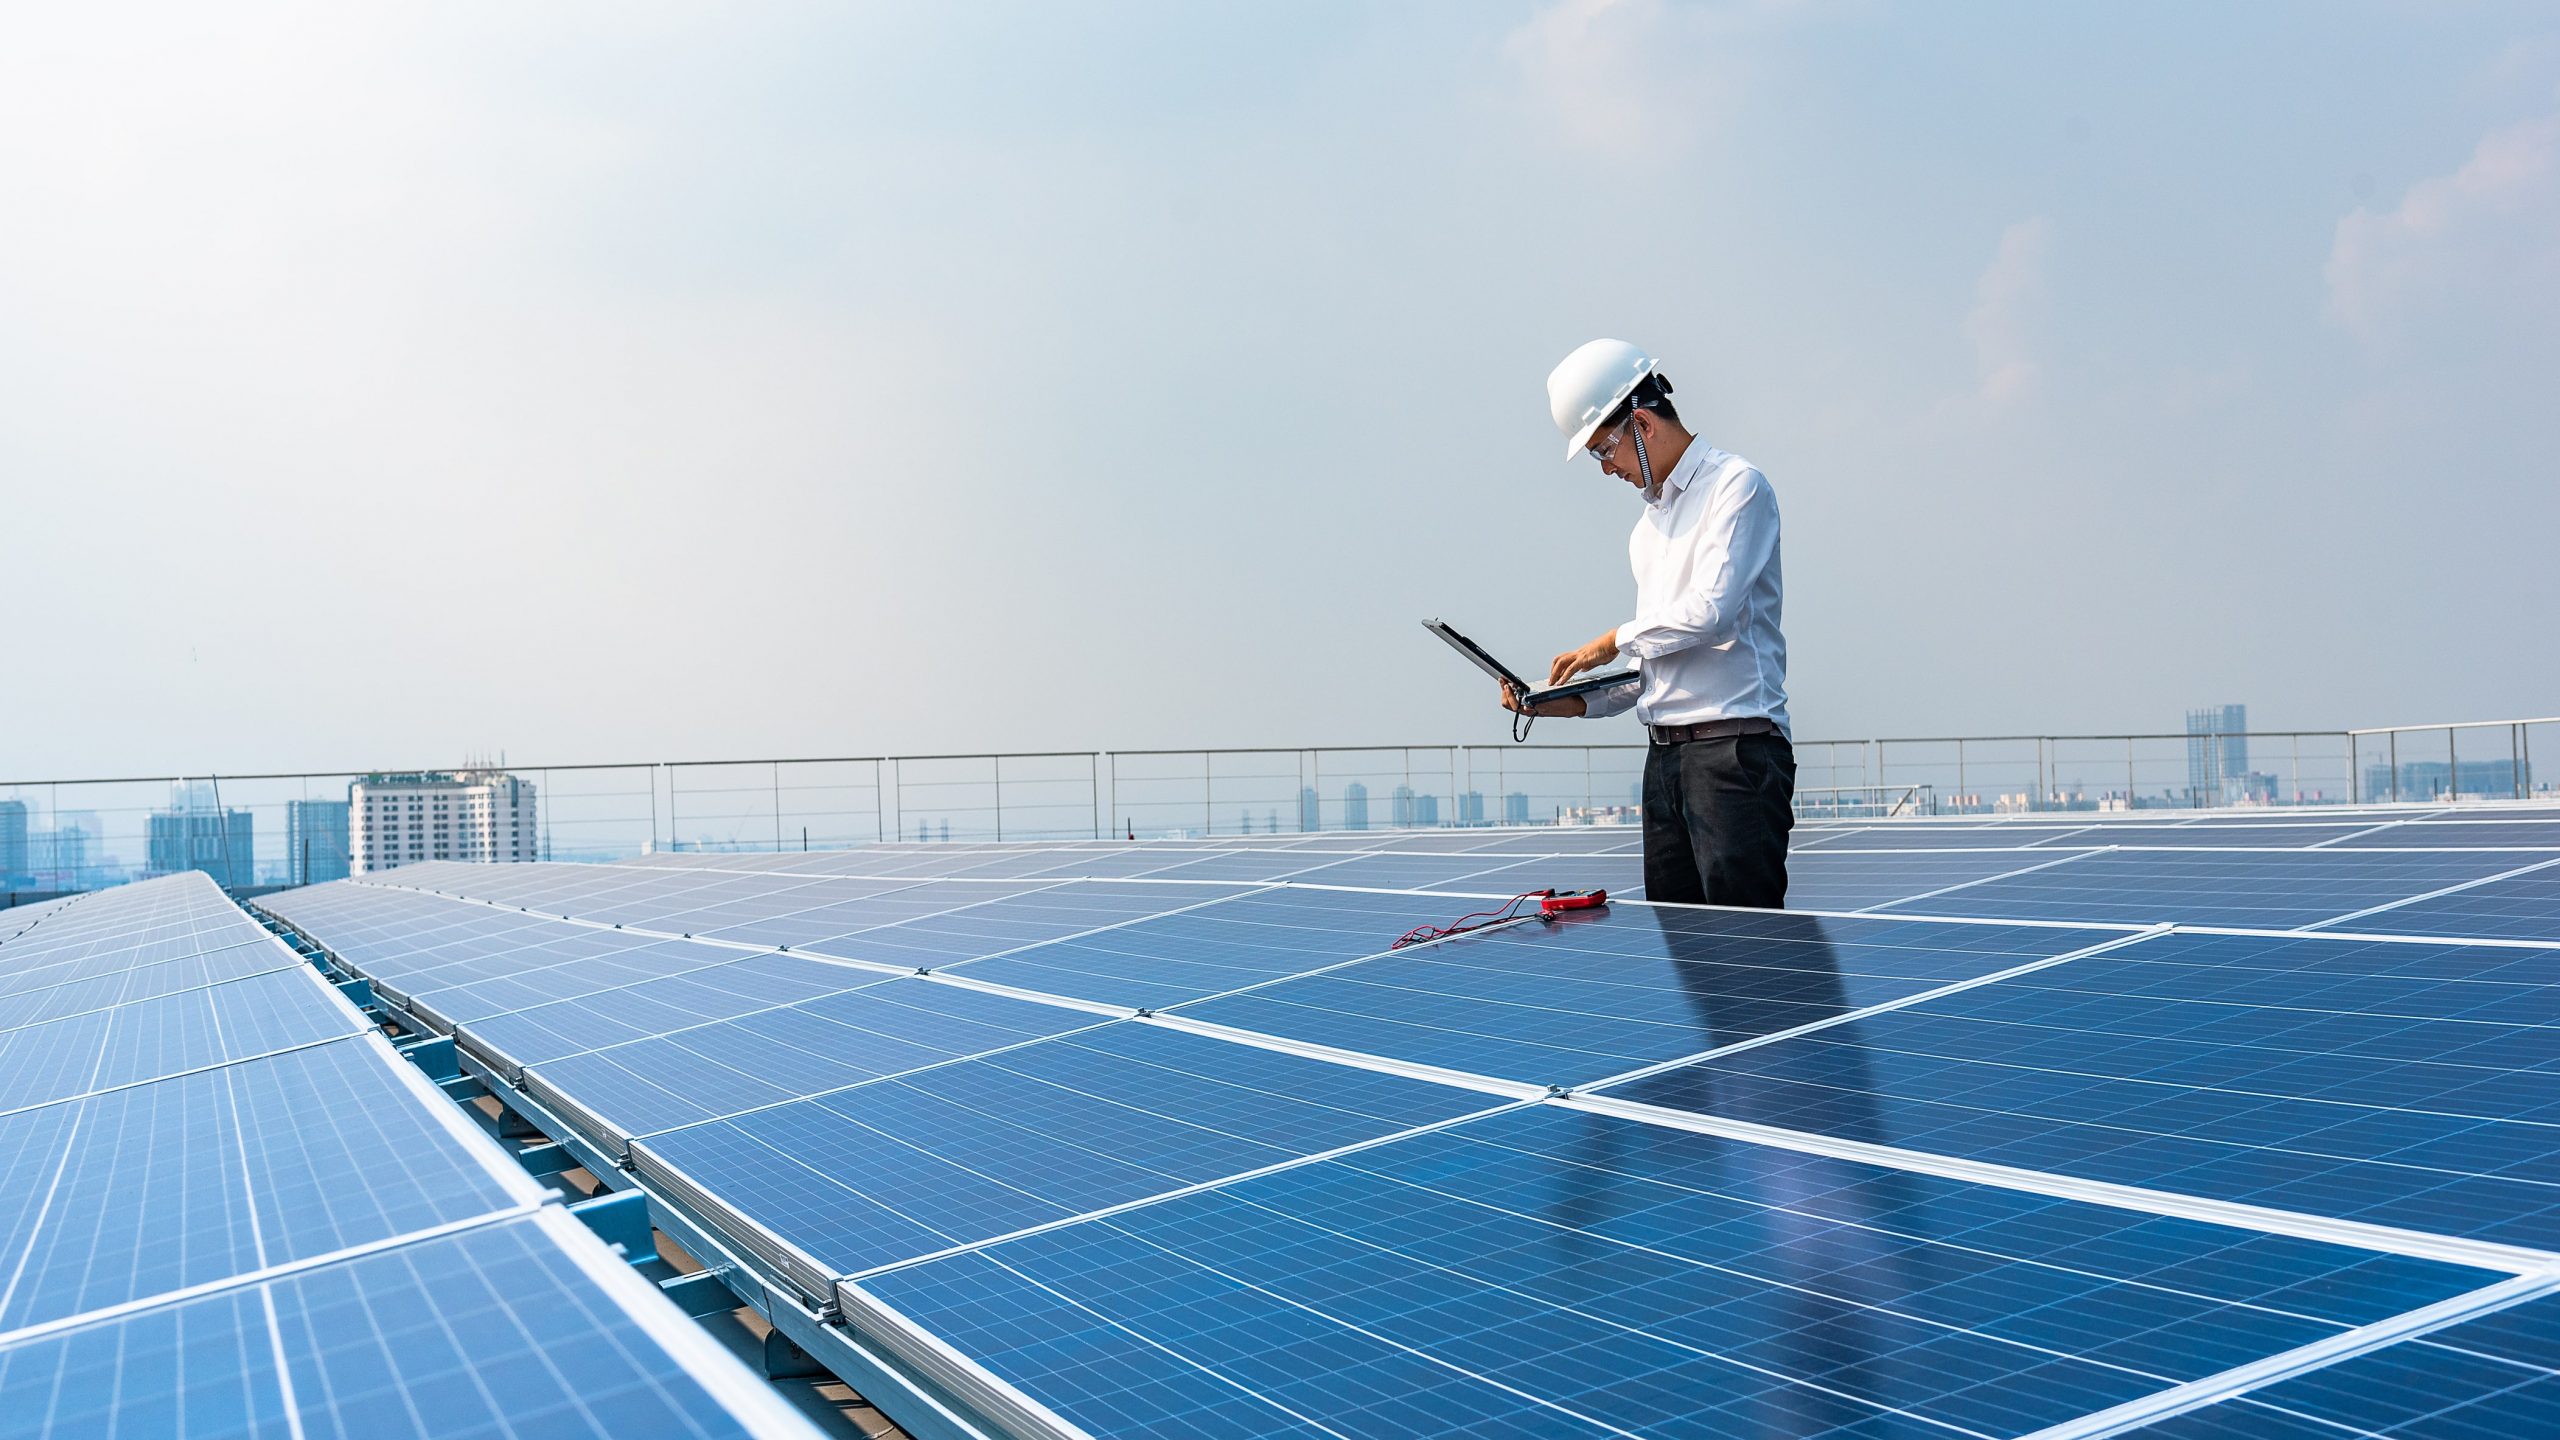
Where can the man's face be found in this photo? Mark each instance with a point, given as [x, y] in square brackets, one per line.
[1615, 448]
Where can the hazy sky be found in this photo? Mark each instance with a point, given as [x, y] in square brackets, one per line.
[611, 382]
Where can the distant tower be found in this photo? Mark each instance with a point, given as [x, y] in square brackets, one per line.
[1355, 806]
[1310, 810]
[2217, 750]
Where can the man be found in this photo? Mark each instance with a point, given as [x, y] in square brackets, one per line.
[1720, 774]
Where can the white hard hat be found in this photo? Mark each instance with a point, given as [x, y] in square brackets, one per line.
[1590, 383]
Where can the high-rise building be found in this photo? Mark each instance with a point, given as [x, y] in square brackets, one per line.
[1515, 808]
[1400, 806]
[13, 838]
[1355, 806]
[1471, 808]
[2217, 750]
[195, 834]
[1310, 810]
[1426, 810]
[486, 816]
[315, 841]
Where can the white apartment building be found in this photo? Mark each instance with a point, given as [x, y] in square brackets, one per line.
[480, 815]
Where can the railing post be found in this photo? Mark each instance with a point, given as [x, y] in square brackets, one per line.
[999, 799]
[1208, 796]
[1093, 789]
[777, 807]
[2394, 738]
[2452, 767]
[2128, 774]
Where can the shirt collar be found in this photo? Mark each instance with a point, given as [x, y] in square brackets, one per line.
[1699, 456]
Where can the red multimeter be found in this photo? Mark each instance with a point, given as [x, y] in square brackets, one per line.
[1556, 902]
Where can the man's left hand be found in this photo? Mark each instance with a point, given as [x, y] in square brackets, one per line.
[1590, 657]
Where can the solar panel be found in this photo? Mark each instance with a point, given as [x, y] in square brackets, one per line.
[2392, 1082]
[2492, 1377]
[2029, 1166]
[2268, 889]
[511, 1329]
[902, 1167]
[1580, 1001]
[1544, 1271]
[726, 1068]
[2521, 907]
[210, 1156]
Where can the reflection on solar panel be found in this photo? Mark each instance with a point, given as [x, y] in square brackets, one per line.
[2225, 1126]
[227, 1207]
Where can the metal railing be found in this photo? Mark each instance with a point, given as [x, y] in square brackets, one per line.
[79, 834]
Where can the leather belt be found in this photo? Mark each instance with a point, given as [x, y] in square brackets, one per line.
[1713, 729]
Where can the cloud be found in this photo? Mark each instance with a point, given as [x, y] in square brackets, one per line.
[1607, 73]
[2474, 251]
[2009, 304]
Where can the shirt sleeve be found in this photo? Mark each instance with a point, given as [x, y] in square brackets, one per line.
[1732, 546]
[1616, 700]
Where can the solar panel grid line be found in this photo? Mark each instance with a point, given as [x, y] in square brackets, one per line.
[2335, 840]
[1527, 1397]
[1037, 997]
[263, 1274]
[1219, 899]
[92, 1093]
[1221, 1182]
[1391, 948]
[735, 1388]
[1552, 1407]
[1834, 1296]
[1881, 1007]
[2195, 1394]
[808, 1279]
[448, 1115]
[2370, 937]
[10, 1007]
[2044, 840]
[1356, 1059]
[910, 1072]
[2392, 1240]
[2432, 894]
[1969, 884]
[1010, 1408]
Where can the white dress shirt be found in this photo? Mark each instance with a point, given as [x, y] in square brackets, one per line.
[1705, 637]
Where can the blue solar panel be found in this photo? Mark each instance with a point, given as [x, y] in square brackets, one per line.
[200, 1177]
[901, 1167]
[493, 1332]
[1545, 1271]
[2524, 907]
[1859, 879]
[588, 975]
[2542, 834]
[1011, 922]
[2273, 890]
[828, 926]
[2404, 1084]
[703, 1072]
[2495, 1378]
[654, 1007]
[1214, 949]
[1579, 1001]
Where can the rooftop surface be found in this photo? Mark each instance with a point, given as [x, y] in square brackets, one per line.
[2232, 1126]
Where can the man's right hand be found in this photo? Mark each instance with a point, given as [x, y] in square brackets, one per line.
[1570, 706]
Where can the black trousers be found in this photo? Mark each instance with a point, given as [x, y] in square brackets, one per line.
[1716, 817]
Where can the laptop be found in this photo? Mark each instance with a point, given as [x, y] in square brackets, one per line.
[1529, 694]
